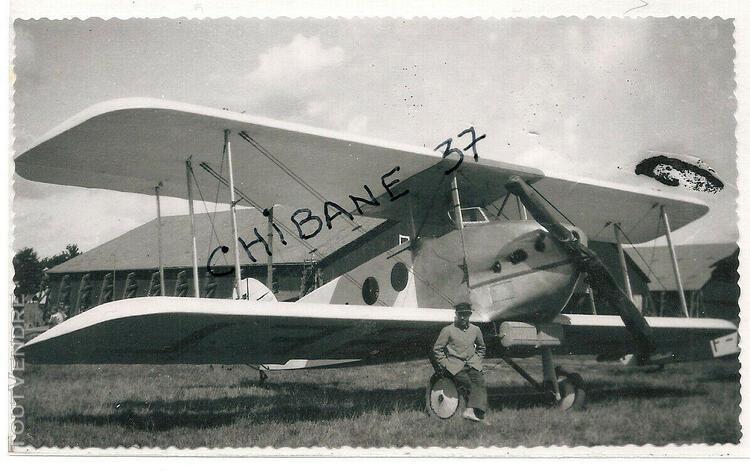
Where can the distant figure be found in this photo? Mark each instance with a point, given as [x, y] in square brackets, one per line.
[43, 295]
[154, 286]
[106, 294]
[209, 287]
[58, 316]
[131, 286]
[181, 286]
[460, 349]
[85, 290]
[63, 294]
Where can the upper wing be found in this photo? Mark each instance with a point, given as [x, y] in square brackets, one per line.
[686, 337]
[594, 204]
[167, 330]
[133, 145]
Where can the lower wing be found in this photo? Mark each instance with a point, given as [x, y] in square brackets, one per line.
[681, 338]
[166, 330]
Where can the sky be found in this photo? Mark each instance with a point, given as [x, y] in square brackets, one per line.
[587, 97]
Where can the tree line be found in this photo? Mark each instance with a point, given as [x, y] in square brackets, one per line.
[29, 268]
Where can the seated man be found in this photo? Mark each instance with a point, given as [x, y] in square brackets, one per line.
[459, 349]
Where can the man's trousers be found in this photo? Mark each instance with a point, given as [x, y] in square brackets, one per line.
[472, 380]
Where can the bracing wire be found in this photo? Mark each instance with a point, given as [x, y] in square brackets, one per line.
[289, 231]
[211, 219]
[498, 209]
[607, 224]
[216, 196]
[633, 227]
[650, 269]
[548, 202]
[502, 206]
[245, 136]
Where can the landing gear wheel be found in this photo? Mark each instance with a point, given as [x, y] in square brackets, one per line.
[443, 398]
[572, 391]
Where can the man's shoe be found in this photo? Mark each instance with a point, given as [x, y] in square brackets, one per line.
[469, 415]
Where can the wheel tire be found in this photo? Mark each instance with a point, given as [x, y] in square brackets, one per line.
[444, 400]
[572, 392]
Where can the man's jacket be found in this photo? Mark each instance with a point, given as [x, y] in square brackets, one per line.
[456, 348]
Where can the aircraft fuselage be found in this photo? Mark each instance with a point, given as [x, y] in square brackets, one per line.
[508, 270]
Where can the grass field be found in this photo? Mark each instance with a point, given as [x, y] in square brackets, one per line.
[194, 406]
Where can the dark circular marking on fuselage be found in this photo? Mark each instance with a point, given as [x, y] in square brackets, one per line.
[370, 290]
[399, 276]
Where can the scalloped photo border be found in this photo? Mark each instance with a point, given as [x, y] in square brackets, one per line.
[638, 9]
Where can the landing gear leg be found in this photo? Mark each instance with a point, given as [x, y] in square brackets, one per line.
[567, 388]
[548, 370]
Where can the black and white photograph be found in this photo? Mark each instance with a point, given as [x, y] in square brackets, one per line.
[374, 232]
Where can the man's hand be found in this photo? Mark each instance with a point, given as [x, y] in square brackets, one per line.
[438, 350]
[480, 347]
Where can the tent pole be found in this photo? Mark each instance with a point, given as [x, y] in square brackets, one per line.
[196, 282]
[235, 241]
[675, 267]
[623, 262]
[158, 233]
[269, 272]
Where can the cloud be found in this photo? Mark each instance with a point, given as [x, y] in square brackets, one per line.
[290, 80]
[357, 125]
[302, 57]
[316, 108]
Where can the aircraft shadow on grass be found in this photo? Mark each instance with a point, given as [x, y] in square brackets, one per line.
[293, 402]
[721, 377]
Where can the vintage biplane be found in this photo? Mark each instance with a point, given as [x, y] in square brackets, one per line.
[517, 273]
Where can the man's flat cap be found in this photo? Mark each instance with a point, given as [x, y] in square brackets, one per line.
[463, 308]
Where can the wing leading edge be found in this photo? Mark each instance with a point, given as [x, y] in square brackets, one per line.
[135, 144]
[687, 338]
[168, 330]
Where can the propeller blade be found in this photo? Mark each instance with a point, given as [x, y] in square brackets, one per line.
[604, 283]
[598, 275]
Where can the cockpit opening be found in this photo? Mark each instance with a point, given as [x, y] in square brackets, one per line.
[472, 216]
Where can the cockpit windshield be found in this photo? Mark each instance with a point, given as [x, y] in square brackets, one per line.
[472, 216]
